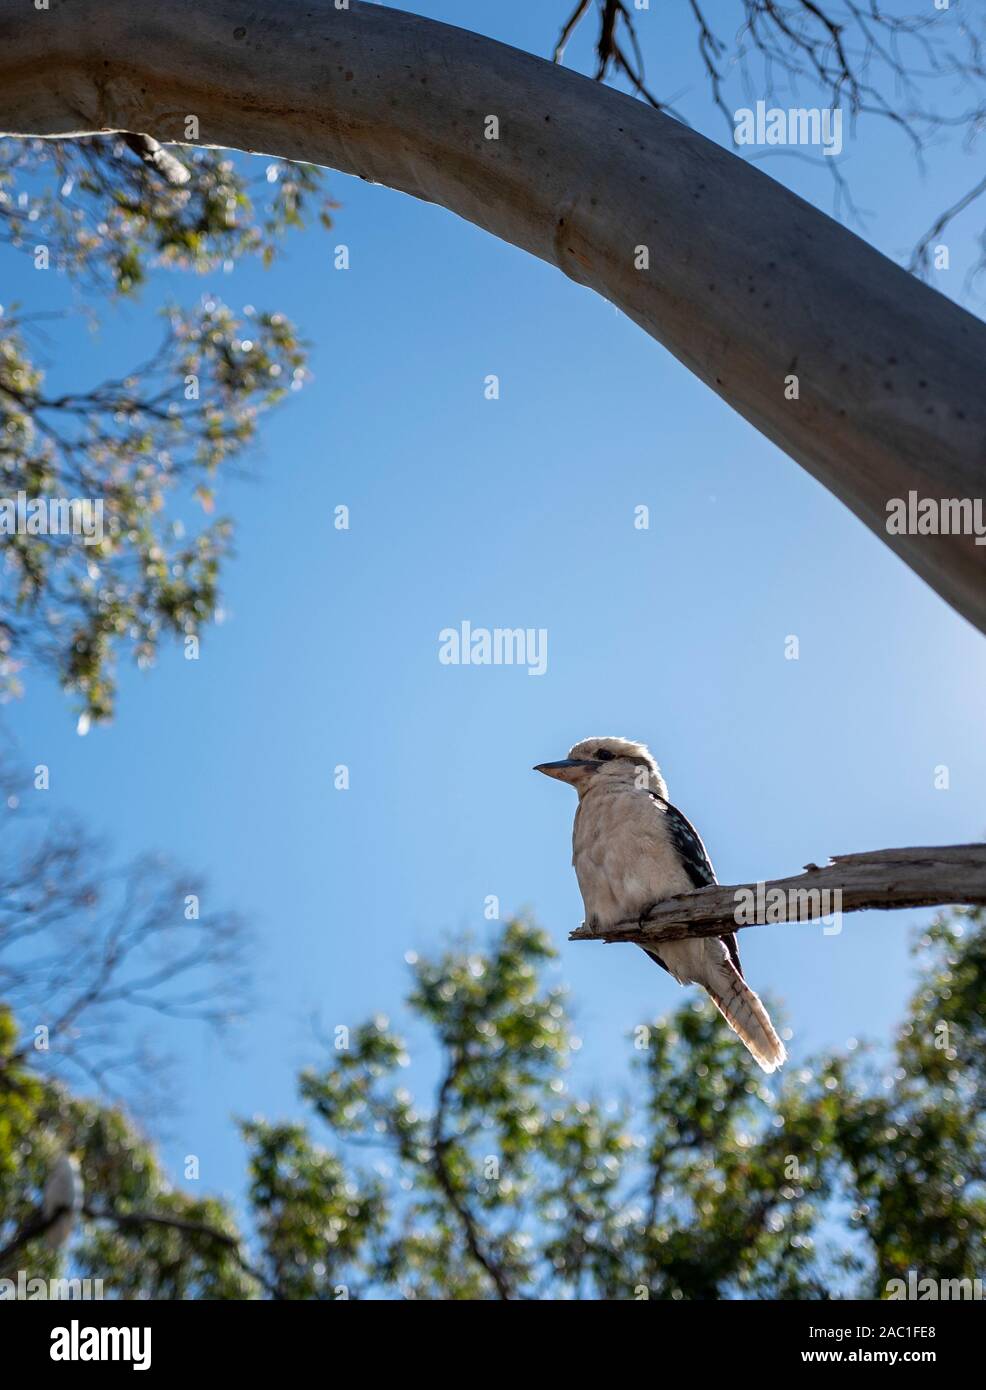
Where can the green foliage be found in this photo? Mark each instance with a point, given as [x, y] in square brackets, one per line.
[314, 1221]
[703, 1181]
[107, 219]
[132, 444]
[189, 1250]
[915, 1138]
[160, 435]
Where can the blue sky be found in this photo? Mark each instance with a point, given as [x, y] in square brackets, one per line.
[516, 512]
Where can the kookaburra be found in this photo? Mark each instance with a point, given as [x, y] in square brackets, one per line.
[631, 848]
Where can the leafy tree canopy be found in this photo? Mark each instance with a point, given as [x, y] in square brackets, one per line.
[95, 209]
[502, 1180]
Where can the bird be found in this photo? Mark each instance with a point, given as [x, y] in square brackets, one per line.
[631, 848]
[61, 1200]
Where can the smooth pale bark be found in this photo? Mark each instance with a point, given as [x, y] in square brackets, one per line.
[885, 878]
[746, 285]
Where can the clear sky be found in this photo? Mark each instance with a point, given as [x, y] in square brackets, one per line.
[516, 512]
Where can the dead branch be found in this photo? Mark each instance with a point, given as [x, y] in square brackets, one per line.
[878, 878]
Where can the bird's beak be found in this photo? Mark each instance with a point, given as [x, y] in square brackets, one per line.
[568, 769]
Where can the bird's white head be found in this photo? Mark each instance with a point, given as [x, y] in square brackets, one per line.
[598, 762]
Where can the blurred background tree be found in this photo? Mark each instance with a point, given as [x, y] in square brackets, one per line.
[499, 1181]
[105, 212]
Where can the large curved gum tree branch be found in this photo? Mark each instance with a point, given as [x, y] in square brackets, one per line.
[879, 878]
[746, 284]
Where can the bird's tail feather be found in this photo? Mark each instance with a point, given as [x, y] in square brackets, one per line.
[746, 1015]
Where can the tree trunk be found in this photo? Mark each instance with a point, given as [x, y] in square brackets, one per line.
[746, 284]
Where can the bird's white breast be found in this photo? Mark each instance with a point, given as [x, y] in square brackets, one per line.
[623, 858]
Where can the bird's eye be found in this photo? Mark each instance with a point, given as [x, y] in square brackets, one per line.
[604, 755]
